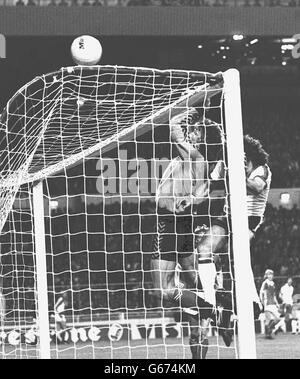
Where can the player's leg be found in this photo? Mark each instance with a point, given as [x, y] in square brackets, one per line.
[295, 322]
[193, 319]
[63, 326]
[288, 312]
[281, 325]
[198, 333]
[279, 320]
[258, 308]
[298, 322]
[194, 336]
[273, 319]
[163, 276]
[189, 265]
[269, 324]
[220, 276]
[171, 241]
[205, 324]
[294, 326]
[164, 259]
[58, 328]
[199, 339]
[213, 241]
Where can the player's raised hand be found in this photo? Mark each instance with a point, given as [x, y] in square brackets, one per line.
[179, 124]
[177, 133]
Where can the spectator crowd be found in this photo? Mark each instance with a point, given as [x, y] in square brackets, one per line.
[99, 253]
[103, 262]
[277, 125]
[124, 3]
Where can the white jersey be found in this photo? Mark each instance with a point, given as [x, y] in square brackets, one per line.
[286, 294]
[218, 172]
[184, 181]
[59, 306]
[256, 203]
[182, 185]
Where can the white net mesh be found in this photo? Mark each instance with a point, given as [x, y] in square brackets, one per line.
[100, 139]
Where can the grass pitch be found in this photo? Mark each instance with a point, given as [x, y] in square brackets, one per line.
[284, 346]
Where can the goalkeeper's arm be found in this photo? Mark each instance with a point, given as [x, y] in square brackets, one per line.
[185, 149]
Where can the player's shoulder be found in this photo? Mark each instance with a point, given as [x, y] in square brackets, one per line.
[264, 284]
[284, 288]
[262, 172]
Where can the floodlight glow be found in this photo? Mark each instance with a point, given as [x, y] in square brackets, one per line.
[238, 37]
[288, 40]
[285, 198]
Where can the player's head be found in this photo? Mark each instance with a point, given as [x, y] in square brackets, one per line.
[269, 274]
[290, 281]
[208, 137]
[255, 155]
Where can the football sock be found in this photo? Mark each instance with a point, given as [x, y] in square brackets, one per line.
[189, 299]
[207, 273]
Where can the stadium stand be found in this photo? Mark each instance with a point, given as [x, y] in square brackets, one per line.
[280, 134]
[277, 245]
[166, 3]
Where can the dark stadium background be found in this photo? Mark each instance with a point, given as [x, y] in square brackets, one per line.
[270, 101]
[270, 107]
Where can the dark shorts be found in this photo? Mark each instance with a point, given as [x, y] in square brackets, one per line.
[224, 222]
[216, 211]
[174, 237]
[254, 223]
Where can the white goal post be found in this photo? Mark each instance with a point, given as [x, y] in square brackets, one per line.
[41, 271]
[77, 113]
[238, 208]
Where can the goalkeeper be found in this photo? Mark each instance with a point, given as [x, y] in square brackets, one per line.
[182, 189]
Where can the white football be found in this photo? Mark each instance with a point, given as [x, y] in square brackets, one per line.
[86, 50]
[115, 332]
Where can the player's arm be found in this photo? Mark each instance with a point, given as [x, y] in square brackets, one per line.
[185, 149]
[256, 185]
[58, 303]
[258, 182]
[262, 294]
[217, 176]
[276, 301]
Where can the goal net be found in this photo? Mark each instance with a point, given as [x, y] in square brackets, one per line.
[83, 151]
